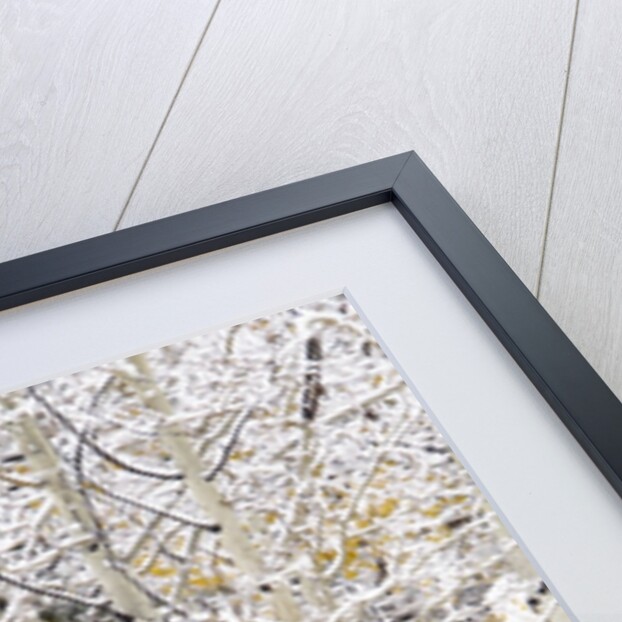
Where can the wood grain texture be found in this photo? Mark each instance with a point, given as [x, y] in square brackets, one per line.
[582, 275]
[84, 87]
[282, 91]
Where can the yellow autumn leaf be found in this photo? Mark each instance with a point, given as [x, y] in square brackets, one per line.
[442, 533]
[323, 557]
[316, 471]
[271, 517]
[206, 582]
[139, 560]
[162, 571]
[457, 499]
[240, 455]
[384, 509]
[434, 510]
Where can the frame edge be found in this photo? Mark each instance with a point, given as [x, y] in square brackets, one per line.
[153, 244]
[569, 384]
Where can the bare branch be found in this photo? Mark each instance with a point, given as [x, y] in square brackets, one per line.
[62, 595]
[100, 451]
[226, 452]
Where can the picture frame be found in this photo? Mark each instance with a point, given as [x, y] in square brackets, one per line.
[554, 367]
[581, 399]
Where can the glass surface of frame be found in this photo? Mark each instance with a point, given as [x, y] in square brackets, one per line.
[552, 498]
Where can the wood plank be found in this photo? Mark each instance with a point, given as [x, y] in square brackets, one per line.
[282, 91]
[582, 276]
[84, 87]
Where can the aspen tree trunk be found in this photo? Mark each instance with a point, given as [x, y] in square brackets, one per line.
[234, 538]
[124, 594]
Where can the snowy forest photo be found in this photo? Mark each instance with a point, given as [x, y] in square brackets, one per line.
[278, 470]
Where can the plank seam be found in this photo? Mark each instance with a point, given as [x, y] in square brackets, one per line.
[166, 115]
[547, 217]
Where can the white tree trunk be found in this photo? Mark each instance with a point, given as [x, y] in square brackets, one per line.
[234, 538]
[44, 462]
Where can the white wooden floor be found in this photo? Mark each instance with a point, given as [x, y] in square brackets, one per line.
[112, 114]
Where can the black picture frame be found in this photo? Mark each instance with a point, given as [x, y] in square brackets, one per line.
[568, 383]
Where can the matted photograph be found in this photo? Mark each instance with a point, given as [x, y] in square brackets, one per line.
[277, 470]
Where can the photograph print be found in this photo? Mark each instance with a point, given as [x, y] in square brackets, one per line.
[277, 470]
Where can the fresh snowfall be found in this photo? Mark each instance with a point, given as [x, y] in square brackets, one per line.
[278, 470]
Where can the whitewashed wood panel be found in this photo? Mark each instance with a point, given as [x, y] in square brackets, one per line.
[582, 275]
[84, 87]
[281, 91]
